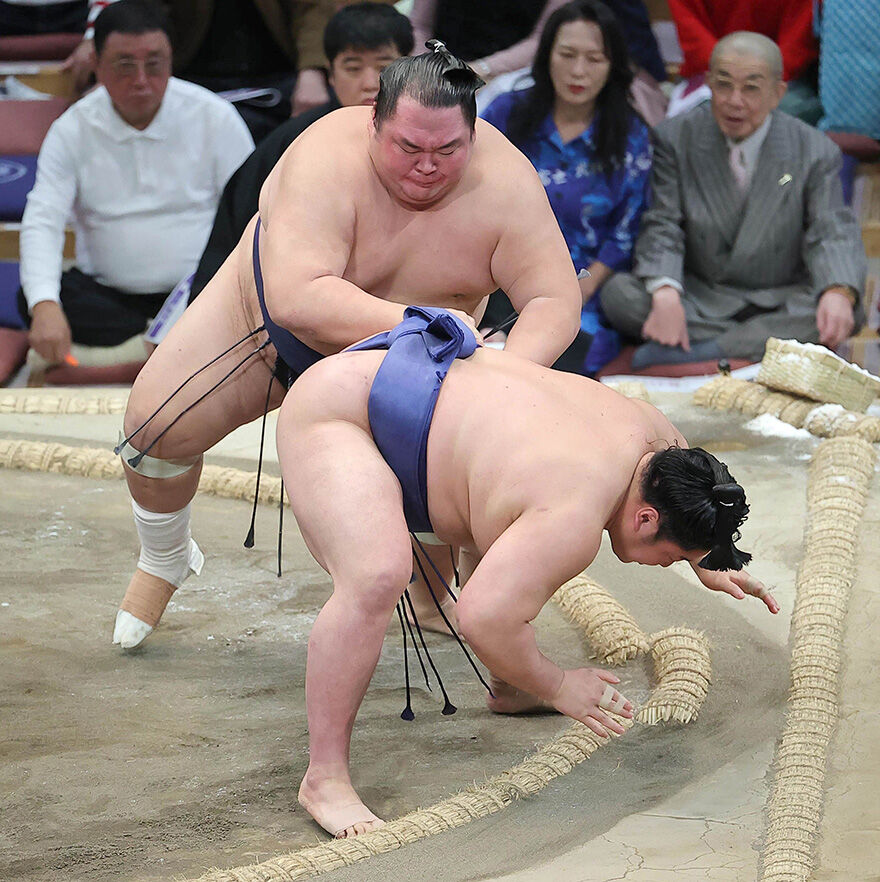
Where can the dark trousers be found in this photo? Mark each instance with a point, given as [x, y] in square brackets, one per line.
[56, 18]
[98, 314]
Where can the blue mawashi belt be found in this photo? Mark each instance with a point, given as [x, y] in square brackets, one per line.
[421, 349]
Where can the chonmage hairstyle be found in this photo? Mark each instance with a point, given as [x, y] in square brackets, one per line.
[434, 79]
[613, 111]
[367, 26]
[699, 503]
[130, 17]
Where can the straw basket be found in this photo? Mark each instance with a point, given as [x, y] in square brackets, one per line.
[817, 373]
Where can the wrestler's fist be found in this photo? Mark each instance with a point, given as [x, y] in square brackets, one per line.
[468, 320]
[586, 693]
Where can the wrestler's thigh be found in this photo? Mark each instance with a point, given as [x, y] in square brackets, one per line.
[211, 324]
[346, 500]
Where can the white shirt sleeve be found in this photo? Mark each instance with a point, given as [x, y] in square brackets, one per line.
[45, 216]
[233, 144]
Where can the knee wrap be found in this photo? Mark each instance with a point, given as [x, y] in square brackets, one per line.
[167, 551]
[151, 466]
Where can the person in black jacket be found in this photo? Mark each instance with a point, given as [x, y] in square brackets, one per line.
[360, 41]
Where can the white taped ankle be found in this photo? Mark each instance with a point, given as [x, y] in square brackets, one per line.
[167, 549]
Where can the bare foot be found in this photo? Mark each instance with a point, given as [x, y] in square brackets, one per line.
[509, 700]
[334, 804]
[431, 620]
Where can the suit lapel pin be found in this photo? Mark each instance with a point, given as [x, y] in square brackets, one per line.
[785, 179]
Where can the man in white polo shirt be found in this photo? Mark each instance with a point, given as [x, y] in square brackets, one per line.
[139, 164]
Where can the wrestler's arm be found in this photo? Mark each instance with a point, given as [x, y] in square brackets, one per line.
[531, 264]
[511, 583]
[309, 227]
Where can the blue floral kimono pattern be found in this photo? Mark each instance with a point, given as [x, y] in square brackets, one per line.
[598, 214]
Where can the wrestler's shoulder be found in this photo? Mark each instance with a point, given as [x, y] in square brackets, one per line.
[502, 165]
[338, 134]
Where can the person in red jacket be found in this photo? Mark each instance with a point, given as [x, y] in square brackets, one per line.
[789, 23]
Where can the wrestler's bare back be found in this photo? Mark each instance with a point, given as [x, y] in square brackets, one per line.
[507, 436]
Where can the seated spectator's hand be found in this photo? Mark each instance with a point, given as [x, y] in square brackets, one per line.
[666, 322]
[81, 64]
[834, 317]
[310, 91]
[588, 285]
[50, 331]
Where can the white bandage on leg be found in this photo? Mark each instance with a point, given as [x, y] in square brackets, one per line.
[167, 548]
[151, 466]
[168, 555]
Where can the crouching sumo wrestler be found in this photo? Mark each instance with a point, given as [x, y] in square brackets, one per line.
[519, 467]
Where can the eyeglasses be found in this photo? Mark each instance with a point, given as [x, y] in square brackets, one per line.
[128, 68]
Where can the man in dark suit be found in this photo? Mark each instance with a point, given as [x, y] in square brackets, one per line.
[748, 236]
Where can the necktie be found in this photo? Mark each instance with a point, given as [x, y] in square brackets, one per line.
[738, 167]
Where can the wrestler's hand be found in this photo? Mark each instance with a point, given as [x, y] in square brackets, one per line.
[666, 322]
[736, 583]
[582, 696]
[834, 317]
[468, 319]
[50, 331]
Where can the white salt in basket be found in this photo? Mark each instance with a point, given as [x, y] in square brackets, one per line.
[817, 373]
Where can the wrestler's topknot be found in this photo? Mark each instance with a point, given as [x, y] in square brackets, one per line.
[433, 79]
[699, 503]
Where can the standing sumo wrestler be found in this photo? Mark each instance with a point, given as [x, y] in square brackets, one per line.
[520, 467]
[411, 201]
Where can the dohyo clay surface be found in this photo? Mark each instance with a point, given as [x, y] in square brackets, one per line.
[187, 754]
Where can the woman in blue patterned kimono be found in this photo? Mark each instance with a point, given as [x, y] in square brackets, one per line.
[591, 150]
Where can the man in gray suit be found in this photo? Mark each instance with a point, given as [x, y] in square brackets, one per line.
[747, 236]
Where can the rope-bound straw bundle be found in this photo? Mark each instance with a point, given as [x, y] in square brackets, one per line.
[752, 399]
[840, 473]
[609, 628]
[683, 671]
[93, 462]
[61, 401]
[816, 372]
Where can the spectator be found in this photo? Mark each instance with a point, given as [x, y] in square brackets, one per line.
[141, 162]
[747, 236]
[226, 45]
[701, 23]
[360, 41]
[591, 151]
[21, 18]
[499, 36]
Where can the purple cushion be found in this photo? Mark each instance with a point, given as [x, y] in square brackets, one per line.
[17, 174]
[9, 284]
